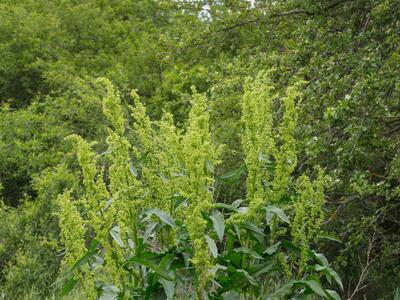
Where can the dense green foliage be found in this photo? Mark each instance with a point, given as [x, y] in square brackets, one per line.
[295, 111]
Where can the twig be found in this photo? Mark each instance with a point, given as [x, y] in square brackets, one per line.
[364, 271]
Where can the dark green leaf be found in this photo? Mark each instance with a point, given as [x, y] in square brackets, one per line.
[68, 286]
[319, 257]
[233, 176]
[333, 295]
[273, 249]
[316, 287]
[225, 206]
[254, 230]
[85, 258]
[290, 247]
[142, 159]
[151, 265]
[330, 272]
[248, 277]
[328, 237]
[248, 251]
[282, 291]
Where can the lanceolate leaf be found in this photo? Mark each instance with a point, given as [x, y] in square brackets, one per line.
[233, 176]
[219, 224]
[330, 272]
[115, 234]
[151, 265]
[328, 237]
[333, 295]
[169, 288]
[85, 258]
[164, 217]
[248, 277]
[318, 257]
[212, 246]
[254, 231]
[248, 251]
[225, 206]
[316, 287]
[272, 249]
[277, 211]
[68, 286]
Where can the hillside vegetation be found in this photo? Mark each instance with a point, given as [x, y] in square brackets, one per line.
[210, 149]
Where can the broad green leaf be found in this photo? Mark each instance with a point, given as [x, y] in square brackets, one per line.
[336, 276]
[272, 249]
[142, 159]
[288, 245]
[169, 288]
[166, 262]
[316, 287]
[68, 286]
[212, 246]
[237, 202]
[282, 291]
[319, 257]
[149, 264]
[149, 230]
[326, 236]
[333, 295]
[233, 176]
[278, 212]
[330, 272]
[248, 251]
[225, 206]
[219, 224]
[177, 201]
[248, 276]
[217, 267]
[254, 230]
[257, 270]
[85, 258]
[231, 295]
[164, 217]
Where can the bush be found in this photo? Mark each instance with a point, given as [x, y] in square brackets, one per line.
[147, 223]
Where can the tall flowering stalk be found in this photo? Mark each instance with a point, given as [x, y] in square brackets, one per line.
[285, 156]
[100, 213]
[72, 236]
[264, 146]
[164, 172]
[198, 150]
[308, 213]
[257, 139]
[126, 190]
[168, 158]
[72, 230]
[146, 144]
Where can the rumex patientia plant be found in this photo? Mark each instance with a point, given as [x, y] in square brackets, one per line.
[150, 217]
